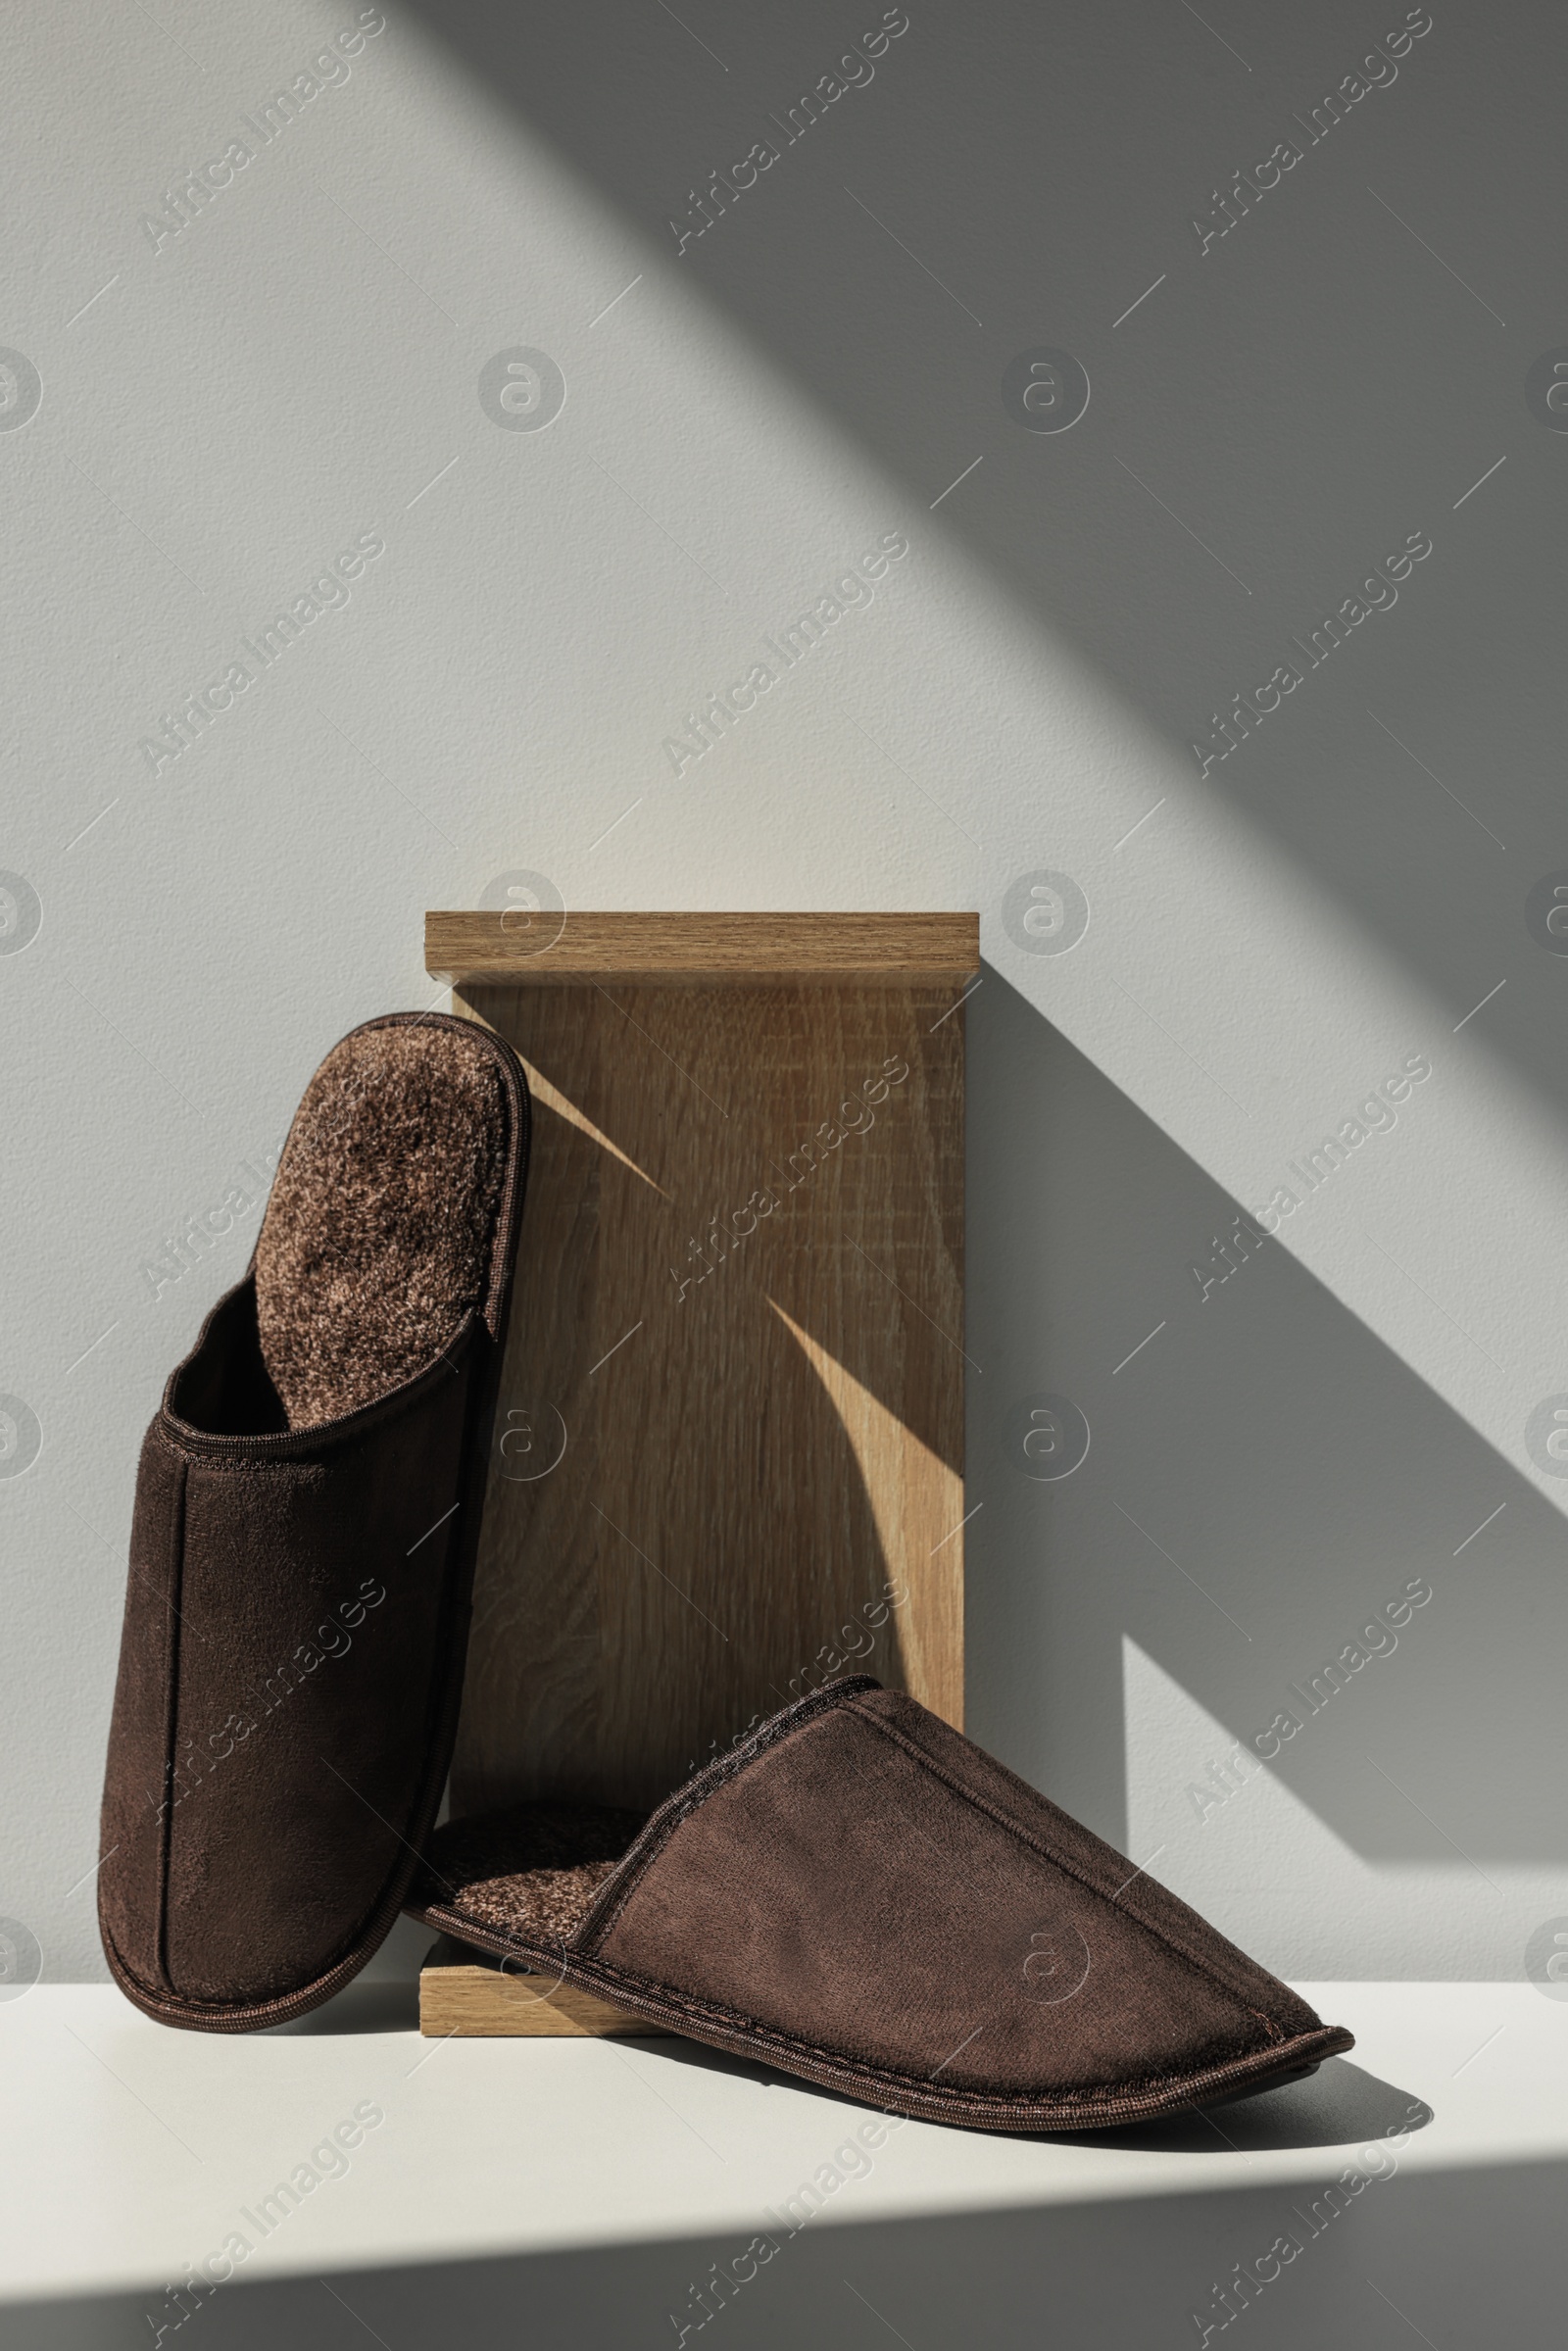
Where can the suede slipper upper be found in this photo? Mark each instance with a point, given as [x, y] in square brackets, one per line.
[862, 1896]
[307, 1514]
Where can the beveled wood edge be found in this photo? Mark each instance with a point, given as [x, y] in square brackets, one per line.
[473, 2003]
[474, 948]
[465, 1991]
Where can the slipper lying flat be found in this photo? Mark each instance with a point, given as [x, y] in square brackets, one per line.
[307, 1514]
[863, 1897]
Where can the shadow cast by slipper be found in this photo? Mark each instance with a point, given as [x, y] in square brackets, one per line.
[359, 2008]
[1341, 2105]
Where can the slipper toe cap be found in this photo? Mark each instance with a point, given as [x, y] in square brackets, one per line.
[876, 1890]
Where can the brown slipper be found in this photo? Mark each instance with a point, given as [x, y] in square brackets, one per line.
[861, 1896]
[302, 1553]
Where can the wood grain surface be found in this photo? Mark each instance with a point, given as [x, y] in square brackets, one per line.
[728, 1459]
[463, 1994]
[533, 948]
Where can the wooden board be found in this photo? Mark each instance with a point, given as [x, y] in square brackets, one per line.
[463, 1994]
[541, 950]
[728, 1455]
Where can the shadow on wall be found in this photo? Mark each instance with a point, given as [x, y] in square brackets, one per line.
[1265, 1484]
[1292, 380]
[1239, 256]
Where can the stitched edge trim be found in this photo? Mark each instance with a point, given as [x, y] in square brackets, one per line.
[1189, 1960]
[171, 1676]
[278, 1447]
[752, 2038]
[610, 1903]
[662, 1825]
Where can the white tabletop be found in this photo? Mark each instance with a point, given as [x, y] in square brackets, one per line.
[132, 2152]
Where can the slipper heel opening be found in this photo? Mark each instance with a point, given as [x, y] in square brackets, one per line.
[531, 1870]
[377, 1243]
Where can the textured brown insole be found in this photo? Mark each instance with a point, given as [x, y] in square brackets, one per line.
[530, 1870]
[376, 1239]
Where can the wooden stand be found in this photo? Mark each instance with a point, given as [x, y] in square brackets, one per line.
[473, 1996]
[728, 1461]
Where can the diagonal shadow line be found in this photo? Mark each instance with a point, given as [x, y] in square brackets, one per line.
[894, 379]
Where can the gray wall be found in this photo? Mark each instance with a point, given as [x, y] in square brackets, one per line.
[224, 407]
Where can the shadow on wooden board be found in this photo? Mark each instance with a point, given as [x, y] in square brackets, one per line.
[728, 1453]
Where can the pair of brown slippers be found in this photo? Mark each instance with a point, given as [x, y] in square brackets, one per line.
[855, 1894]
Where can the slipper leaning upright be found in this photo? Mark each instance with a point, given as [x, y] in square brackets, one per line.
[306, 1516]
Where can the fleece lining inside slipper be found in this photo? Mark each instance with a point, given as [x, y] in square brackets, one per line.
[378, 1235]
[532, 1868]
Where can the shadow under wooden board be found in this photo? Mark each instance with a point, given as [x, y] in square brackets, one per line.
[729, 1455]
